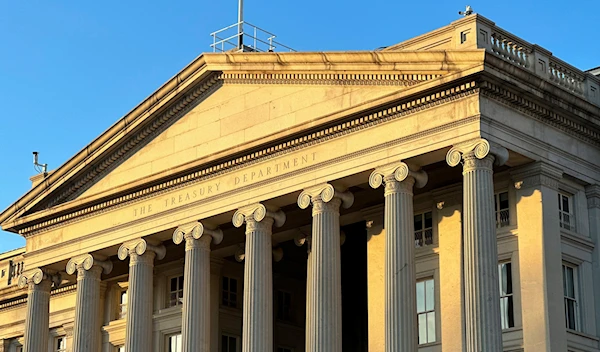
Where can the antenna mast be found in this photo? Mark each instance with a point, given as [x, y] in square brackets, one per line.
[241, 24]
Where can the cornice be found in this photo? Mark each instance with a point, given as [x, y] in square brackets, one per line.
[354, 124]
[23, 300]
[548, 116]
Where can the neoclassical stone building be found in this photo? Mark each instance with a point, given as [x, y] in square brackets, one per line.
[441, 194]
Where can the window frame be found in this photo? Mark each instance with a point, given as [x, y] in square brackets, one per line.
[424, 229]
[179, 291]
[238, 346]
[576, 299]
[168, 342]
[572, 224]
[289, 317]
[122, 307]
[56, 347]
[426, 312]
[510, 296]
[229, 292]
[498, 211]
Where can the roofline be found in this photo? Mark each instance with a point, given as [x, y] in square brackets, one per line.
[168, 87]
[12, 253]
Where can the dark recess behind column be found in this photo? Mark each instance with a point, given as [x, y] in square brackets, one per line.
[354, 289]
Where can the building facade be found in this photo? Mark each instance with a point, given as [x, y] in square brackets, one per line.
[441, 194]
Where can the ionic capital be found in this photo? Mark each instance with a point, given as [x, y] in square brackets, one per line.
[399, 172]
[86, 262]
[139, 246]
[325, 192]
[257, 212]
[38, 276]
[480, 149]
[196, 230]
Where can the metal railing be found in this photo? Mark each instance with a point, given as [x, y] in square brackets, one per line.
[244, 36]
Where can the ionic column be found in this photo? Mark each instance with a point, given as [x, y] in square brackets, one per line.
[481, 294]
[401, 330]
[324, 321]
[257, 333]
[86, 329]
[195, 326]
[37, 319]
[138, 331]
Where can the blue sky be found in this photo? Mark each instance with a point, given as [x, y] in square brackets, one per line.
[69, 69]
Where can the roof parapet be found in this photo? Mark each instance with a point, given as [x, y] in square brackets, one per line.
[478, 32]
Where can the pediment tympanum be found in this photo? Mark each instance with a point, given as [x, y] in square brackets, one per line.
[225, 104]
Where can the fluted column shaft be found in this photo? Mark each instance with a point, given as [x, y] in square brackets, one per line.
[195, 329]
[257, 332]
[400, 294]
[86, 326]
[482, 297]
[483, 330]
[86, 329]
[257, 329]
[138, 330]
[196, 312]
[324, 322]
[37, 319]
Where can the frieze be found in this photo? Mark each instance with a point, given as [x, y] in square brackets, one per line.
[279, 150]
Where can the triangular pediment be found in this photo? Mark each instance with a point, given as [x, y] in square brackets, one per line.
[223, 104]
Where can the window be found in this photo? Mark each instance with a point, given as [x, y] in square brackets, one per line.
[174, 343]
[570, 290]
[502, 210]
[423, 229]
[121, 349]
[19, 348]
[426, 311]
[284, 305]
[60, 344]
[284, 349]
[506, 295]
[176, 291]
[228, 343]
[123, 305]
[565, 215]
[229, 292]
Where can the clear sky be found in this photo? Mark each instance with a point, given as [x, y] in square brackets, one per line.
[70, 69]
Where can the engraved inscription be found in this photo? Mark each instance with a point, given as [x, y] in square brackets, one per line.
[226, 183]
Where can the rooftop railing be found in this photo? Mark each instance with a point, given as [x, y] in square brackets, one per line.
[246, 37]
[540, 61]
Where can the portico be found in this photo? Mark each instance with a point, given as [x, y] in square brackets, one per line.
[145, 224]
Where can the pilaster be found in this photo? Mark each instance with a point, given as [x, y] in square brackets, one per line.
[257, 334]
[86, 329]
[540, 257]
[196, 314]
[375, 276]
[449, 211]
[216, 264]
[592, 193]
[324, 321]
[401, 330]
[138, 329]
